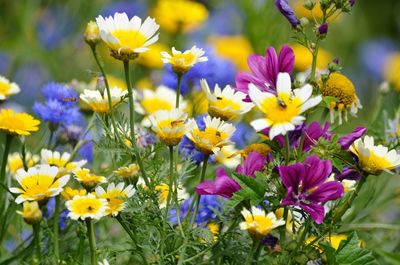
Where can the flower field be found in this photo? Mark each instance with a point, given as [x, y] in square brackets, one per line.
[200, 132]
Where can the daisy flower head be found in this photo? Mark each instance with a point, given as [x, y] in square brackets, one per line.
[163, 190]
[181, 62]
[86, 207]
[115, 196]
[30, 212]
[177, 16]
[129, 171]
[38, 183]
[98, 102]
[258, 222]
[92, 33]
[68, 193]
[7, 88]
[127, 38]
[282, 111]
[374, 159]
[169, 126]
[342, 89]
[17, 123]
[15, 161]
[213, 137]
[62, 161]
[88, 179]
[226, 103]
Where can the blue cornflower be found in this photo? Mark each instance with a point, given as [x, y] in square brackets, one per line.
[57, 113]
[209, 208]
[243, 136]
[61, 93]
[215, 70]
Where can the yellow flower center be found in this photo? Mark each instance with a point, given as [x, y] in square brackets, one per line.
[37, 187]
[340, 87]
[374, 164]
[129, 39]
[211, 136]
[164, 190]
[223, 108]
[183, 59]
[152, 105]
[392, 70]
[4, 88]
[281, 109]
[99, 107]
[87, 205]
[258, 224]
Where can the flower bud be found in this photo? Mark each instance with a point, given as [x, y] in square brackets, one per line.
[92, 33]
[323, 29]
[309, 4]
[304, 21]
[352, 2]
[325, 4]
[31, 212]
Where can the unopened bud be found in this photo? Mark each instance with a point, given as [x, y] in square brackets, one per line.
[323, 29]
[309, 4]
[31, 212]
[92, 33]
[304, 21]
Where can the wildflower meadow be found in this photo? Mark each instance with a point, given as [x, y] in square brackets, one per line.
[200, 132]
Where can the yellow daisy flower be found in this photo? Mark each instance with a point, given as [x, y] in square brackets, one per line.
[163, 190]
[340, 87]
[87, 179]
[86, 206]
[127, 37]
[374, 159]
[38, 183]
[257, 222]
[30, 212]
[15, 161]
[215, 135]
[68, 193]
[180, 15]
[228, 156]
[127, 172]
[115, 196]
[182, 62]
[169, 125]
[60, 160]
[17, 123]
[7, 88]
[226, 103]
[98, 102]
[282, 110]
[262, 149]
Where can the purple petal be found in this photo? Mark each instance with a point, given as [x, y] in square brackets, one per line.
[271, 62]
[289, 199]
[328, 191]
[244, 79]
[257, 65]
[253, 162]
[347, 140]
[347, 173]
[223, 185]
[287, 12]
[316, 211]
[291, 175]
[313, 133]
[286, 59]
[317, 171]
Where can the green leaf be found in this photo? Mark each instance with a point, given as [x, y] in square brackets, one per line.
[390, 258]
[329, 252]
[350, 253]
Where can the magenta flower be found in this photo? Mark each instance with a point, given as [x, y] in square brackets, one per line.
[347, 140]
[307, 186]
[224, 185]
[265, 70]
[312, 134]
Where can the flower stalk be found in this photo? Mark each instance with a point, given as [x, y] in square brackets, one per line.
[55, 229]
[197, 200]
[92, 242]
[178, 90]
[36, 232]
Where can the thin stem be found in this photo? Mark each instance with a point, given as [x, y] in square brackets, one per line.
[347, 204]
[287, 149]
[133, 238]
[55, 229]
[36, 231]
[110, 106]
[4, 183]
[132, 122]
[178, 90]
[5, 157]
[171, 178]
[282, 237]
[92, 242]
[81, 249]
[253, 249]
[314, 61]
[203, 173]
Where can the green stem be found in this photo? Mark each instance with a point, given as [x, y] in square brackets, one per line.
[110, 106]
[92, 242]
[55, 229]
[347, 204]
[282, 237]
[36, 231]
[203, 173]
[178, 90]
[170, 185]
[5, 158]
[254, 246]
[287, 149]
[133, 238]
[6, 184]
[81, 249]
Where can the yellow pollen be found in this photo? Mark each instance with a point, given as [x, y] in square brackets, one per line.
[340, 87]
[128, 38]
[281, 109]
[86, 205]
[4, 88]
